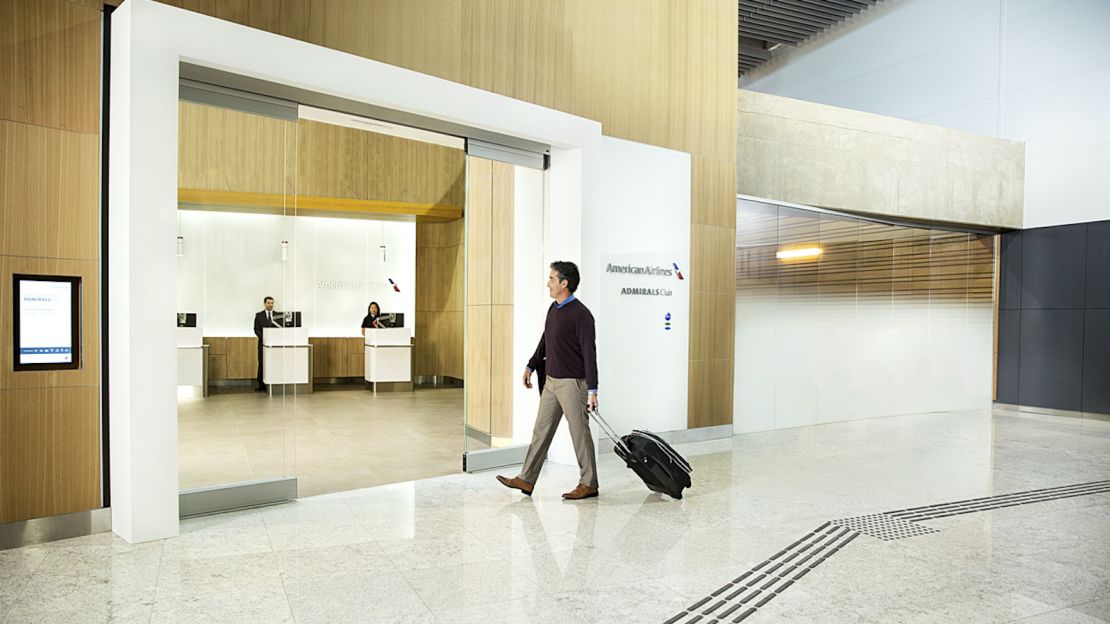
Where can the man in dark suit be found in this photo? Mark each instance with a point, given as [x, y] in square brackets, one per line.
[263, 319]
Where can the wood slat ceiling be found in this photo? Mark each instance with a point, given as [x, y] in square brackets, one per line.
[767, 26]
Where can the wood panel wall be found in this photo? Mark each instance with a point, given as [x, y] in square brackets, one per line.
[49, 223]
[661, 72]
[440, 279]
[236, 357]
[338, 357]
[234, 160]
[489, 296]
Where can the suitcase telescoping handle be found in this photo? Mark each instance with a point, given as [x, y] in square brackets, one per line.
[607, 430]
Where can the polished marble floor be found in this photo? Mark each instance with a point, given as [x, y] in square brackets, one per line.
[336, 439]
[462, 549]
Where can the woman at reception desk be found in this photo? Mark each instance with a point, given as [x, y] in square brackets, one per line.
[371, 319]
[388, 347]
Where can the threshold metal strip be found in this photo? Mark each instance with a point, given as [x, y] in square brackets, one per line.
[488, 459]
[234, 496]
[796, 560]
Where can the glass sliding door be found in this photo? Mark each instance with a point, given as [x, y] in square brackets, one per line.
[506, 302]
[243, 356]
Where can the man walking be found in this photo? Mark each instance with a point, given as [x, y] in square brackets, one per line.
[262, 320]
[566, 361]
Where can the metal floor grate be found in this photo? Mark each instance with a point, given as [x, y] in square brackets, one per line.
[885, 527]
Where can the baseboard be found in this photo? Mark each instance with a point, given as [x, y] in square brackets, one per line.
[1048, 411]
[221, 498]
[53, 528]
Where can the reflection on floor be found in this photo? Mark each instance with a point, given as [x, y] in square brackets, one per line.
[462, 549]
[332, 440]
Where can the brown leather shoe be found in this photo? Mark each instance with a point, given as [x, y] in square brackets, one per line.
[580, 492]
[517, 484]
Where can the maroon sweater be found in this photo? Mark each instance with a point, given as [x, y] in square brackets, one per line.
[568, 344]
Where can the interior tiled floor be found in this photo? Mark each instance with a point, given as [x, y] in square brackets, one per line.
[333, 440]
[463, 549]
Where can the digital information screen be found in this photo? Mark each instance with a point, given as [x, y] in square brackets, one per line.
[47, 321]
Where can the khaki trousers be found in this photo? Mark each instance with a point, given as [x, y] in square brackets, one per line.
[562, 397]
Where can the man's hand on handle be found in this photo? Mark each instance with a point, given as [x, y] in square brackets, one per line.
[528, 378]
[591, 402]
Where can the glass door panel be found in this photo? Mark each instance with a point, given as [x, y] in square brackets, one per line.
[506, 300]
[236, 276]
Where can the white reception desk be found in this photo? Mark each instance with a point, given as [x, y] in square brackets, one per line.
[286, 356]
[389, 359]
[192, 358]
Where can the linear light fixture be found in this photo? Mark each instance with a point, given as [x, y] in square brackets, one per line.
[798, 253]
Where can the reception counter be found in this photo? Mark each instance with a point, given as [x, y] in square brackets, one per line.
[286, 357]
[388, 359]
[233, 360]
[192, 359]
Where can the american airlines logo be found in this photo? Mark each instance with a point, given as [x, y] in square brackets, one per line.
[635, 269]
[344, 285]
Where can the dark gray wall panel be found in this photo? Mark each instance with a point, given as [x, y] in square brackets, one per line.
[1098, 265]
[1096, 362]
[1009, 271]
[1009, 349]
[1051, 369]
[1054, 267]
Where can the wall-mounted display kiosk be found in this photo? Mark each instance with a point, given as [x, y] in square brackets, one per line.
[389, 359]
[192, 353]
[286, 356]
[46, 322]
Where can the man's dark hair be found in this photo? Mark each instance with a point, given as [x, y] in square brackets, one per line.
[265, 299]
[567, 271]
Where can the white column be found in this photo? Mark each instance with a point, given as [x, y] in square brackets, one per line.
[142, 268]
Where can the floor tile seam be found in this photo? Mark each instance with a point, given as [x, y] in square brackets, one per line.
[30, 576]
[154, 598]
[1026, 618]
[413, 589]
[553, 594]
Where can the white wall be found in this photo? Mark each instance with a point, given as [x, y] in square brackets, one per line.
[642, 366]
[1036, 71]
[530, 298]
[334, 270]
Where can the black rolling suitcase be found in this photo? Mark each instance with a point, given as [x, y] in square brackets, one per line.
[660, 467]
